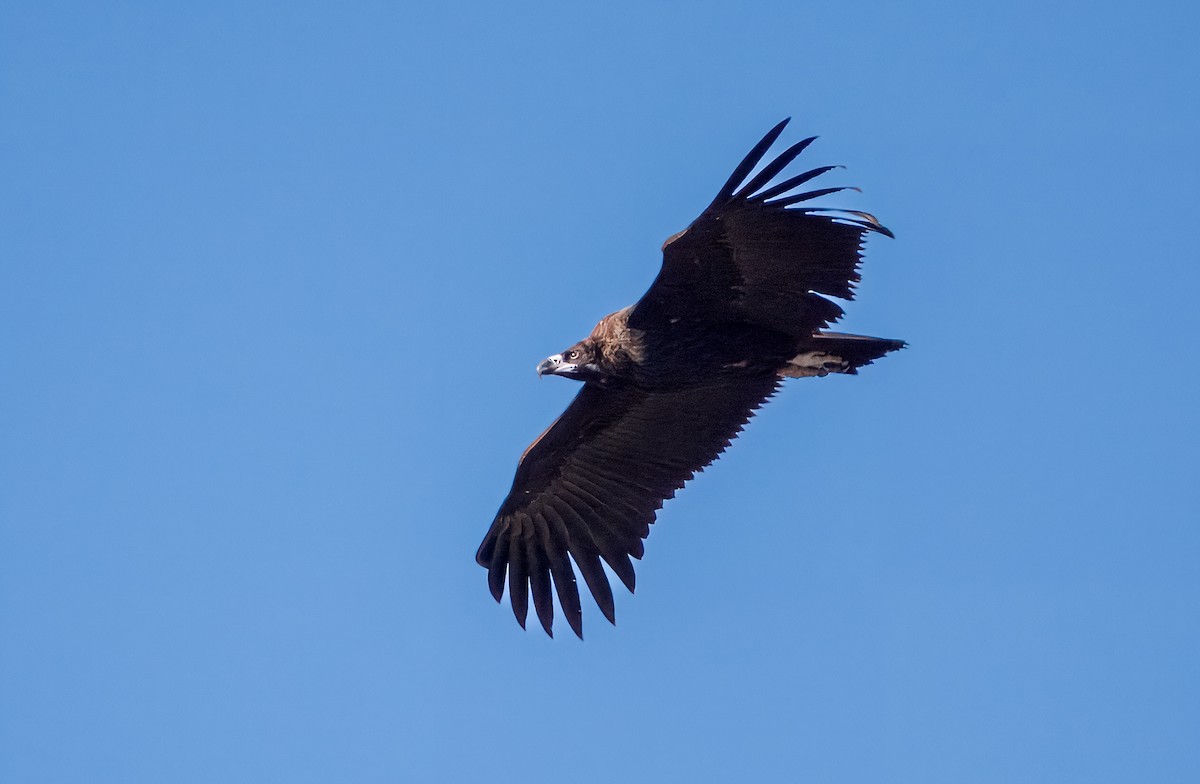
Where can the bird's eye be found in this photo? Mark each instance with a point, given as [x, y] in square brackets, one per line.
[572, 354]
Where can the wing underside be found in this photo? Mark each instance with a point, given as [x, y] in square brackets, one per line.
[762, 255]
[589, 488]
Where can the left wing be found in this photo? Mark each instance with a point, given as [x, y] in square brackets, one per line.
[752, 257]
[590, 486]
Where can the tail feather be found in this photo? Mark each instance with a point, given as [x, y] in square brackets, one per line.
[837, 352]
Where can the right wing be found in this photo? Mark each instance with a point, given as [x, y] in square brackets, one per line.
[590, 486]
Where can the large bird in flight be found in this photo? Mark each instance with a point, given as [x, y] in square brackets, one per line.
[739, 305]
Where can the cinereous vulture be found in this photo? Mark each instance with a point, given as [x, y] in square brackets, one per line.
[739, 305]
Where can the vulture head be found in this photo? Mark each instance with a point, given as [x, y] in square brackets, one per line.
[578, 362]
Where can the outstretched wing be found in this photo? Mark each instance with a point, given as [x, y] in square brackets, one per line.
[752, 257]
[590, 486]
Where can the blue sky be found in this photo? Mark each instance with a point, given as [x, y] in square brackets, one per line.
[273, 282]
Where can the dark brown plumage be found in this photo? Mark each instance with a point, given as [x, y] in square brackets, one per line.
[739, 305]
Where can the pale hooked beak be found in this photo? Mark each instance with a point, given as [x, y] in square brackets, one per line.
[550, 365]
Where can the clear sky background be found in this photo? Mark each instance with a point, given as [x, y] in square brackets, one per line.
[273, 282]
